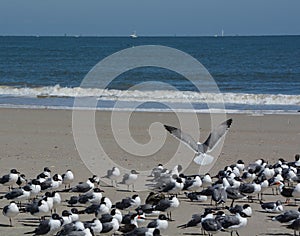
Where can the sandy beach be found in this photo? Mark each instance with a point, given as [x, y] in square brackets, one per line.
[32, 139]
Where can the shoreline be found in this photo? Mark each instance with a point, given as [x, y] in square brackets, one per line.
[154, 110]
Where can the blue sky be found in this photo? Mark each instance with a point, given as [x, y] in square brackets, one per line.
[155, 17]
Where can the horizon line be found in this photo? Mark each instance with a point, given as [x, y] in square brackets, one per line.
[145, 36]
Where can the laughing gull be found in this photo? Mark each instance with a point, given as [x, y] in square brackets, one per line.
[67, 178]
[48, 227]
[38, 209]
[102, 209]
[127, 203]
[91, 196]
[52, 183]
[295, 163]
[107, 202]
[10, 211]
[211, 226]
[201, 149]
[295, 226]
[36, 188]
[96, 209]
[167, 205]
[22, 181]
[18, 194]
[206, 180]
[248, 176]
[161, 223]
[153, 198]
[197, 219]
[110, 227]
[156, 171]
[173, 187]
[113, 175]
[115, 213]
[289, 192]
[10, 179]
[73, 200]
[45, 174]
[287, 216]
[193, 184]
[95, 225]
[130, 222]
[232, 223]
[75, 214]
[83, 187]
[49, 199]
[240, 165]
[272, 206]
[66, 216]
[196, 196]
[55, 199]
[246, 209]
[250, 189]
[75, 229]
[219, 195]
[130, 179]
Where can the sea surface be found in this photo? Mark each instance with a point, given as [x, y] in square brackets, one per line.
[252, 73]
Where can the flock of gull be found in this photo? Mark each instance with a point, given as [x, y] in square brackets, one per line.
[86, 210]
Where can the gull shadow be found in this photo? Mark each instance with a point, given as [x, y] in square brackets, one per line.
[30, 225]
[107, 186]
[276, 234]
[261, 211]
[192, 234]
[291, 204]
[3, 225]
[125, 191]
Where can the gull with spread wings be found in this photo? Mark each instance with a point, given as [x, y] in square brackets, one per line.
[201, 149]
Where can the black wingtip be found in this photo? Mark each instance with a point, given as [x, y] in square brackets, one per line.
[229, 122]
[169, 128]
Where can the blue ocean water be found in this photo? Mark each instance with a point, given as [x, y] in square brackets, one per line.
[252, 73]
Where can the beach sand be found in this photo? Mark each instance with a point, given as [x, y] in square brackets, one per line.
[32, 139]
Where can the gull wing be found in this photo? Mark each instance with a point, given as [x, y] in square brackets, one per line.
[184, 137]
[215, 136]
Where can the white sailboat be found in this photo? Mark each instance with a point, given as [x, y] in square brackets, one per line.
[133, 35]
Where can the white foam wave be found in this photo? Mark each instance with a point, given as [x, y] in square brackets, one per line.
[155, 96]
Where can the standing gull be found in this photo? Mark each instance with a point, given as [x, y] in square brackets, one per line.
[113, 175]
[48, 227]
[10, 179]
[67, 178]
[201, 158]
[130, 179]
[10, 211]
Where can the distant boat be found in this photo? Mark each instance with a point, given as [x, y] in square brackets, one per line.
[222, 34]
[133, 35]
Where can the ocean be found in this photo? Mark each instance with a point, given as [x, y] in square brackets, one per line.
[252, 73]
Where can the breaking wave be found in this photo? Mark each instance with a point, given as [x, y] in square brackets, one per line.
[154, 96]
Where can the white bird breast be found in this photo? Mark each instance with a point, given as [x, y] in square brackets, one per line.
[203, 159]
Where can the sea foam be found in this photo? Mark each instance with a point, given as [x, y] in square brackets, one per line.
[168, 96]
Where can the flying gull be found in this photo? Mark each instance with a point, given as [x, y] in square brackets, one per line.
[201, 149]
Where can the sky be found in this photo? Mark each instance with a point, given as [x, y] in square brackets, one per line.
[149, 18]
